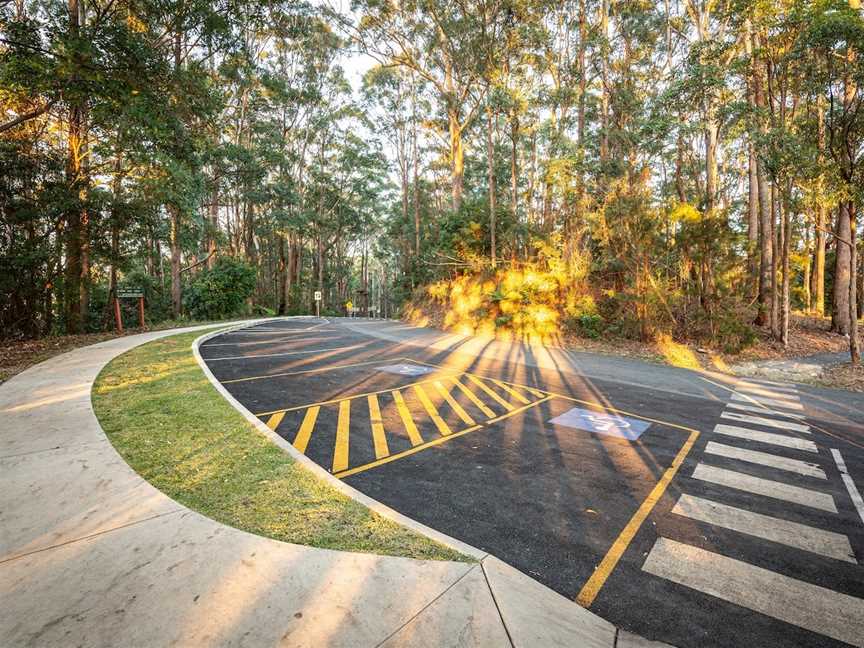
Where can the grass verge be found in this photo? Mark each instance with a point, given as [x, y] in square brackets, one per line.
[169, 423]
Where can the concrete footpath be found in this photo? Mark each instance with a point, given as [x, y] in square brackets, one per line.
[93, 555]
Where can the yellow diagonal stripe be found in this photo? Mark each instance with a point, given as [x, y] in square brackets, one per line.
[443, 428]
[460, 412]
[340, 452]
[473, 398]
[481, 385]
[407, 420]
[274, 421]
[378, 438]
[512, 392]
[305, 431]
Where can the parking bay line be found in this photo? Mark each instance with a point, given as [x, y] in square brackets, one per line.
[805, 605]
[303, 371]
[767, 422]
[340, 452]
[766, 459]
[772, 438]
[792, 534]
[432, 443]
[286, 353]
[454, 404]
[379, 439]
[770, 402]
[432, 411]
[765, 487]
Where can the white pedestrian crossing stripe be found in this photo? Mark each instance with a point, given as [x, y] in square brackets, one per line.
[782, 440]
[800, 536]
[767, 422]
[765, 487]
[808, 606]
[769, 392]
[764, 410]
[774, 387]
[765, 459]
[770, 402]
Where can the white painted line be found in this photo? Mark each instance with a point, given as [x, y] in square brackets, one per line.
[287, 353]
[764, 410]
[766, 437]
[761, 420]
[769, 393]
[765, 381]
[770, 402]
[792, 534]
[749, 384]
[765, 459]
[765, 487]
[854, 493]
[808, 606]
[274, 341]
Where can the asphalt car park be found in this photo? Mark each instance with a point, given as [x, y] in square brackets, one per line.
[695, 520]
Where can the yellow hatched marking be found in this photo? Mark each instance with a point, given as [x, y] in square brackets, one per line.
[305, 431]
[443, 428]
[274, 421]
[452, 402]
[340, 452]
[473, 398]
[512, 391]
[481, 385]
[407, 420]
[381, 449]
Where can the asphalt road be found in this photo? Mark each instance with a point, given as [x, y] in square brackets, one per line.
[689, 508]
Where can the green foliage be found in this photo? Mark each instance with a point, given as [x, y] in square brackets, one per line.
[222, 291]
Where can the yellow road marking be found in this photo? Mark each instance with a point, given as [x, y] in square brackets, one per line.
[473, 398]
[340, 452]
[481, 385]
[512, 391]
[302, 438]
[301, 371]
[519, 409]
[381, 449]
[407, 420]
[274, 421]
[452, 402]
[590, 590]
[443, 428]
[341, 398]
[405, 453]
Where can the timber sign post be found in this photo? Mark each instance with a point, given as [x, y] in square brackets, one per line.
[128, 293]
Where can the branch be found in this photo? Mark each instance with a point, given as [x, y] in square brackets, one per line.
[198, 263]
[27, 116]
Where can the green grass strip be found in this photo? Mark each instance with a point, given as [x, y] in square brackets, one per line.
[169, 423]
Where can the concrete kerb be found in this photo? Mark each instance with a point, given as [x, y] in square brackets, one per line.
[306, 462]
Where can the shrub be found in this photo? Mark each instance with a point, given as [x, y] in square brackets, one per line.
[220, 292]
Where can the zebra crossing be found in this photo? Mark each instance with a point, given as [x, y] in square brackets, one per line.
[796, 469]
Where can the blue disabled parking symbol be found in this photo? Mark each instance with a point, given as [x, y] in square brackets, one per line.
[602, 423]
[406, 369]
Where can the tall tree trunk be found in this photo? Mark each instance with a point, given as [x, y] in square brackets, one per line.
[777, 237]
[490, 173]
[840, 322]
[785, 219]
[283, 276]
[176, 296]
[854, 343]
[753, 221]
[604, 83]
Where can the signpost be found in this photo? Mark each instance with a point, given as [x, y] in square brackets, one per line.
[128, 293]
[317, 303]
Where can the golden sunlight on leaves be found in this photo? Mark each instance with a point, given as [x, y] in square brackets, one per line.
[678, 355]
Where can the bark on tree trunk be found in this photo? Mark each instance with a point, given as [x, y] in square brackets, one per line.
[840, 322]
[490, 172]
[753, 222]
[854, 344]
[176, 297]
[457, 160]
[766, 245]
[817, 278]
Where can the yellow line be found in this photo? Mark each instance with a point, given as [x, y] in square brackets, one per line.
[302, 371]
[473, 398]
[452, 402]
[512, 391]
[340, 452]
[443, 428]
[302, 438]
[274, 421]
[405, 453]
[341, 398]
[381, 449]
[590, 590]
[407, 420]
[482, 386]
[519, 409]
